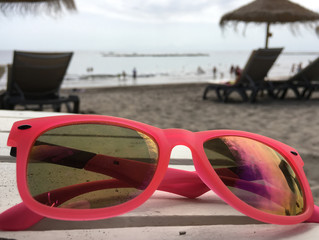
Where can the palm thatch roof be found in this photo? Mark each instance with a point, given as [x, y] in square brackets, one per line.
[24, 7]
[270, 11]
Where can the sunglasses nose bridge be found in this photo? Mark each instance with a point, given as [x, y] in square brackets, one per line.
[179, 137]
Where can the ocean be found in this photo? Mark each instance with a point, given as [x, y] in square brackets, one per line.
[105, 69]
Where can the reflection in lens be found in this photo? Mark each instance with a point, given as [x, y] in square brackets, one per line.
[90, 166]
[257, 174]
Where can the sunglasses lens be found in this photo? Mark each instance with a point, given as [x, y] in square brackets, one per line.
[256, 174]
[90, 166]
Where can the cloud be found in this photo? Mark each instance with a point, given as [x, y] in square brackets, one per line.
[167, 11]
[208, 11]
[141, 25]
[154, 10]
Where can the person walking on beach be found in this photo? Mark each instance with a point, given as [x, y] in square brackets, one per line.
[232, 70]
[292, 68]
[214, 72]
[134, 73]
[237, 72]
[124, 75]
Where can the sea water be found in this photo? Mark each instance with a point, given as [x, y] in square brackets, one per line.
[98, 68]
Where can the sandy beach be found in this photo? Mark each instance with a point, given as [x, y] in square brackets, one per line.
[291, 121]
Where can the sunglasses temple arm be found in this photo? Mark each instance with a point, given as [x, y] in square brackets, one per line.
[181, 182]
[315, 215]
[190, 185]
[184, 183]
[18, 217]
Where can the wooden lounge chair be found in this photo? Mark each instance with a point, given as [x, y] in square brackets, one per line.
[303, 83]
[252, 78]
[34, 79]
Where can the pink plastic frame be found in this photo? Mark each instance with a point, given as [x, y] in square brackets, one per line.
[195, 183]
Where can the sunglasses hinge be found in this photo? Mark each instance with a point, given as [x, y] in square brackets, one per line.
[294, 153]
[24, 127]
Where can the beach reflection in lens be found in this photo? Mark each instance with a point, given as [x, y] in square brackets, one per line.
[90, 166]
[257, 174]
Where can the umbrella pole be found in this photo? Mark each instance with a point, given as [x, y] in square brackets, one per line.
[267, 34]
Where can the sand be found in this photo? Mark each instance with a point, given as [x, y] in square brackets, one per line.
[291, 121]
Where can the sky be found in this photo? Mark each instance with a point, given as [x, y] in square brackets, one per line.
[148, 26]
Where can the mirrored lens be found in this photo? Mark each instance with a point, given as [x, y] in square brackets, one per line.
[257, 174]
[90, 166]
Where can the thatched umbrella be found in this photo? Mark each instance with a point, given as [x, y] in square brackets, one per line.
[271, 12]
[36, 6]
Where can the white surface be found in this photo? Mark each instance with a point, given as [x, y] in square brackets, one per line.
[227, 232]
[163, 216]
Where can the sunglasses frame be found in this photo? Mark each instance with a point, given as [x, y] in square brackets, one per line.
[24, 133]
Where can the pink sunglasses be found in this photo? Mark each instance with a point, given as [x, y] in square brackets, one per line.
[82, 167]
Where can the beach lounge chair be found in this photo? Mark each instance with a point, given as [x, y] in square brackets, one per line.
[303, 83]
[34, 79]
[252, 78]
